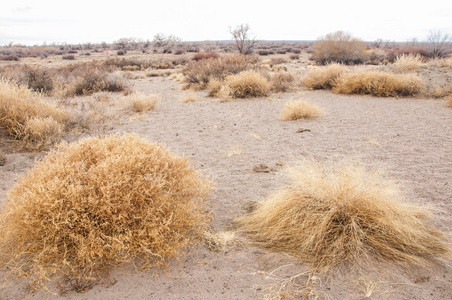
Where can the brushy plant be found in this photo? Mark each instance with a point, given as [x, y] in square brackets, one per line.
[282, 82]
[143, 103]
[345, 214]
[408, 63]
[295, 110]
[247, 84]
[320, 78]
[90, 206]
[205, 55]
[339, 47]
[199, 73]
[28, 118]
[380, 84]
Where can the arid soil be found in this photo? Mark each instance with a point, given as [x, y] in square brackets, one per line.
[410, 138]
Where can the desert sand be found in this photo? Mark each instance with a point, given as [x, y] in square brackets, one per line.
[410, 138]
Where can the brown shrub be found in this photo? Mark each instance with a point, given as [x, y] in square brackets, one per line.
[380, 84]
[295, 110]
[90, 206]
[346, 215]
[28, 118]
[282, 82]
[324, 78]
[247, 84]
[339, 47]
[201, 72]
[205, 55]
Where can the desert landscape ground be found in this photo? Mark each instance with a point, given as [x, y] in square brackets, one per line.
[244, 147]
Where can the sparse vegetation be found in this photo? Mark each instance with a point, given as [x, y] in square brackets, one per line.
[143, 103]
[90, 206]
[380, 84]
[324, 78]
[408, 63]
[339, 47]
[300, 109]
[282, 82]
[346, 215]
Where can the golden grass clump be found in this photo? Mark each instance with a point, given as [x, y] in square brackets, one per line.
[282, 82]
[449, 101]
[140, 102]
[247, 84]
[28, 118]
[321, 78]
[295, 110]
[380, 84]
[408, 63]
[92, 205]
[344, 214]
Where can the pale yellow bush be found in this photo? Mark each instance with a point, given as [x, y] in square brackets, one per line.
[295, 110]
[140, 102]
[247, 84]
[408, 63]
[324, 78]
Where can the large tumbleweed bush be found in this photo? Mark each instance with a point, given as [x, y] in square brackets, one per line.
[92, 205]
[300, 109]
[339, 47]
[247, 84]
[28, 118]
[344, 214]
[380, 84]
[320, 78]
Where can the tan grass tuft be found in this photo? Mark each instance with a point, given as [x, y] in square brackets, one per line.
[380, 84]
[321, 78]
[143, 103]
[28, 118]
[247, 84]
[282, 82]
[344, 214]
[92, 205]
[295, 110]
[219, 241]
[449, 101]
[408, 63]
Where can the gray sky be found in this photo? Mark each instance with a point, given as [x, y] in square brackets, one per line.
[34, 22]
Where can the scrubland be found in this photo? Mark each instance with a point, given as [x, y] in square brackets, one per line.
[299, 171]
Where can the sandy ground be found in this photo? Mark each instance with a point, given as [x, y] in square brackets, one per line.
[411, 138]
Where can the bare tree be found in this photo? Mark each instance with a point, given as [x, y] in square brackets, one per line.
[439, 42]
[243, 41]
[166, 42]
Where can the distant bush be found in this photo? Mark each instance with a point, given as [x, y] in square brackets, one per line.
[199, 73]
[68, 57]
[263, 52]
[295, 110]
[380, 84]
[90, 206]
[408, 63]
[294, 57]
[324, 78]
[33, 122]
[247, 84]
[9, 57]
[205, 55]
[339, 47]
[121, 52]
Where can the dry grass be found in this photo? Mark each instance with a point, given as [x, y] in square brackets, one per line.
[320, 78]
[247, 84]
[295, 110]
[449, 101]
[2, 158]
[344, 214]
[408, 63]
[140, 102]
[380, 84]
[90, 206]
[282, 82]
[28, 118]
[442, 62]
[189, 97]
[219, 241]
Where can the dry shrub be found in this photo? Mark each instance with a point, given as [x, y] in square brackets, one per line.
[408, 63]
[442, 62]
[277, 61]
[295, 110]
[219, 241]
[87, 207]
[320, 78]
[380, 84]
[449, 101]
[2, 158]
[201, 72]
[345, 214]
[143, 103]
[205, 55]
[88, 82]
[28, 118]
[282, 82]
[247, 84]
[339, 47]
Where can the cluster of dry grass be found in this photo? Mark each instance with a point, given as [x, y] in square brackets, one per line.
[92, 205]
[344, 215]
[408, 63]
[243, 85]
[282, 82]
[30, 120]
[376, 83]
[143, 103]
[295, 110]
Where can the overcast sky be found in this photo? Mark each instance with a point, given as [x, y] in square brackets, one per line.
[38, 21]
